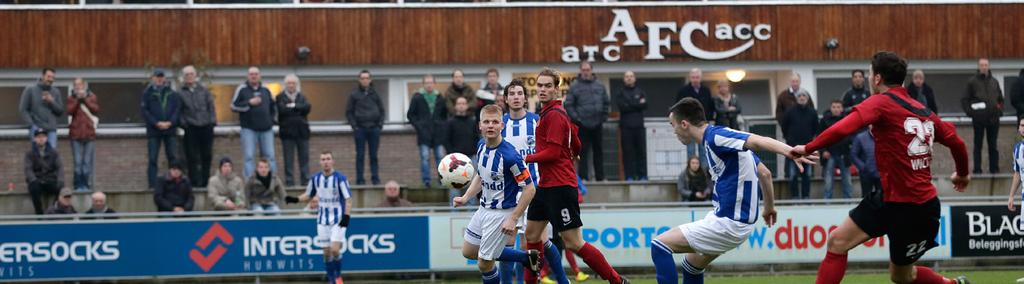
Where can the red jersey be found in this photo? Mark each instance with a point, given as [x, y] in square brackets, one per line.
[554, 155]
[903, 144]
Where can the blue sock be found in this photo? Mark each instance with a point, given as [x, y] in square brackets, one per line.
[519, 273]
[664, 265]
[511, 254]
[507, 269]
[491, 277]
[554, 257]
[692, 274]
[337, 267]
[329, 267]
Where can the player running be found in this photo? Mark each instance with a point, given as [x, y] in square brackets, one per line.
[331, 188]
[737, 174]
[907, 210]
[520, 129]
[502, 174]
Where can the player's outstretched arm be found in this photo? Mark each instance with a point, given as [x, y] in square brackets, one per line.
[945, 134]
[1014, 185]
[474, 188]
[768, 191]
[760, 143]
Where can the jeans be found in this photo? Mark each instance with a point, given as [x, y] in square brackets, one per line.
[37, 189]
[425, 160]
[84, 155]
[363, 137]
[988, 131]
[266, 140]
[293, 147]
[268, 209]
[199, 153]
[51, 136]
[591, 152]
[838, 161]
[801, 189]
[170, 143]
[634, 152]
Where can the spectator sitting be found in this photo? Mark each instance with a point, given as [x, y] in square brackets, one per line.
[99, 205]
[693, 183]
[224, 190]
[173, 192]
[459, 89]
[63, 204]
[82, 108]
[393, 196]
[463, 133]
[265, 191]
[43, 171]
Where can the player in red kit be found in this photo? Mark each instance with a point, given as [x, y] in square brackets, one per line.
[907, 210]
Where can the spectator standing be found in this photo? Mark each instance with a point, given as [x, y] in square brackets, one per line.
[365, 112]
[857, 92]
[173, 192]
[632, 101]
[43, 171]
[161, 109]
[787, 98]
[459, 89]
[224, 190]
[587, 104]
[63, 204]
[862, 153]
[428, 114]
[495, 90]
[694, 89]
[40, 106]
[983, 102]
[463, 133]
[837, 155]
[83, 108]
[1017, 95]
[694, 182]
[799, 125]
[727, 106]
[198, 117]
[256, 112]
[393, 196]
[292, 114]
[922, 92]
[99, 205]
[264, 191]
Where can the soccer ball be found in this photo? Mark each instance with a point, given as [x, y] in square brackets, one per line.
[456, 170]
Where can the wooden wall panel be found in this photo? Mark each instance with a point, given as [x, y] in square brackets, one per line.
[113, 38]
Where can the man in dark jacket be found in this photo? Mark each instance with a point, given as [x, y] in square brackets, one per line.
[43, 171]
[459, 89]
[173, 192]
[862, 153]
[787, 98]
[256, 112]
[694, 89]
[493, 89]
[427, 114]
[292, 112]
[100, 206]
[41, 105]
[365, 112]
[1017, 95]
[198, 117]
[587, 106]
[838, 154]
[857, 92]
[63, 204]
[983, 102]
[463, 132]
[922, 92]
[82, 107]
[799, 125]
[632, 101]
[161, 108]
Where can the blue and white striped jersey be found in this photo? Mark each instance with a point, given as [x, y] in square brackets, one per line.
[1018, 166]
[503, 174]
[733, 168]
[332, 190]
[521, 133]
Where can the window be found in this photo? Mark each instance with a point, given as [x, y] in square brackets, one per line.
[328, 98]
[11, 96]
[754, 95]
[119, 101]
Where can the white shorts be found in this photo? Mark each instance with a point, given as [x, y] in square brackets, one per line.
[715, 235]
[484, 230]
[327, 234]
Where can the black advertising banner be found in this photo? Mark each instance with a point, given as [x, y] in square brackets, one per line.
[986, 230]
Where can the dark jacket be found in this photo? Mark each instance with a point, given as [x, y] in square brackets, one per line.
[1017, 94]
[862, 154]
[495, 90]
[160, 103]
[257, 118]
[688, 185]
[34, 111]
[924, 95]
[726, 117]
[463, 134]
[257, 193]
[58, 208]
[827, 120]
[453, 93]
[799, 125]
[197, 107]
[108, 210]
[293, 121]
[365, 109]
[587, 102]
[82, 126]
[429, 123]
[45, 168]
[982, 88]
[631, 101]
[854, 96]
[170, 193]
[703, 95]
[786, 100]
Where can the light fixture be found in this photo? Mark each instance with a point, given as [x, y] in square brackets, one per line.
[735, 76]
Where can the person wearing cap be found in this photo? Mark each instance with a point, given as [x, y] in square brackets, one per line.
[198, 118]
[173, 192]
[43, 170]
[256, 113]
[799, 125]
[82, 107]
[41, 105]
[161, 109]
[224, 190]
[63, 204]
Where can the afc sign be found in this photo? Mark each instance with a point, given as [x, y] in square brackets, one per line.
[656, 40]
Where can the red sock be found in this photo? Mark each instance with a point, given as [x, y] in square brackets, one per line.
[571, 258]
[596, 261]
[530, 277]
[927, 276]
[832, 269]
